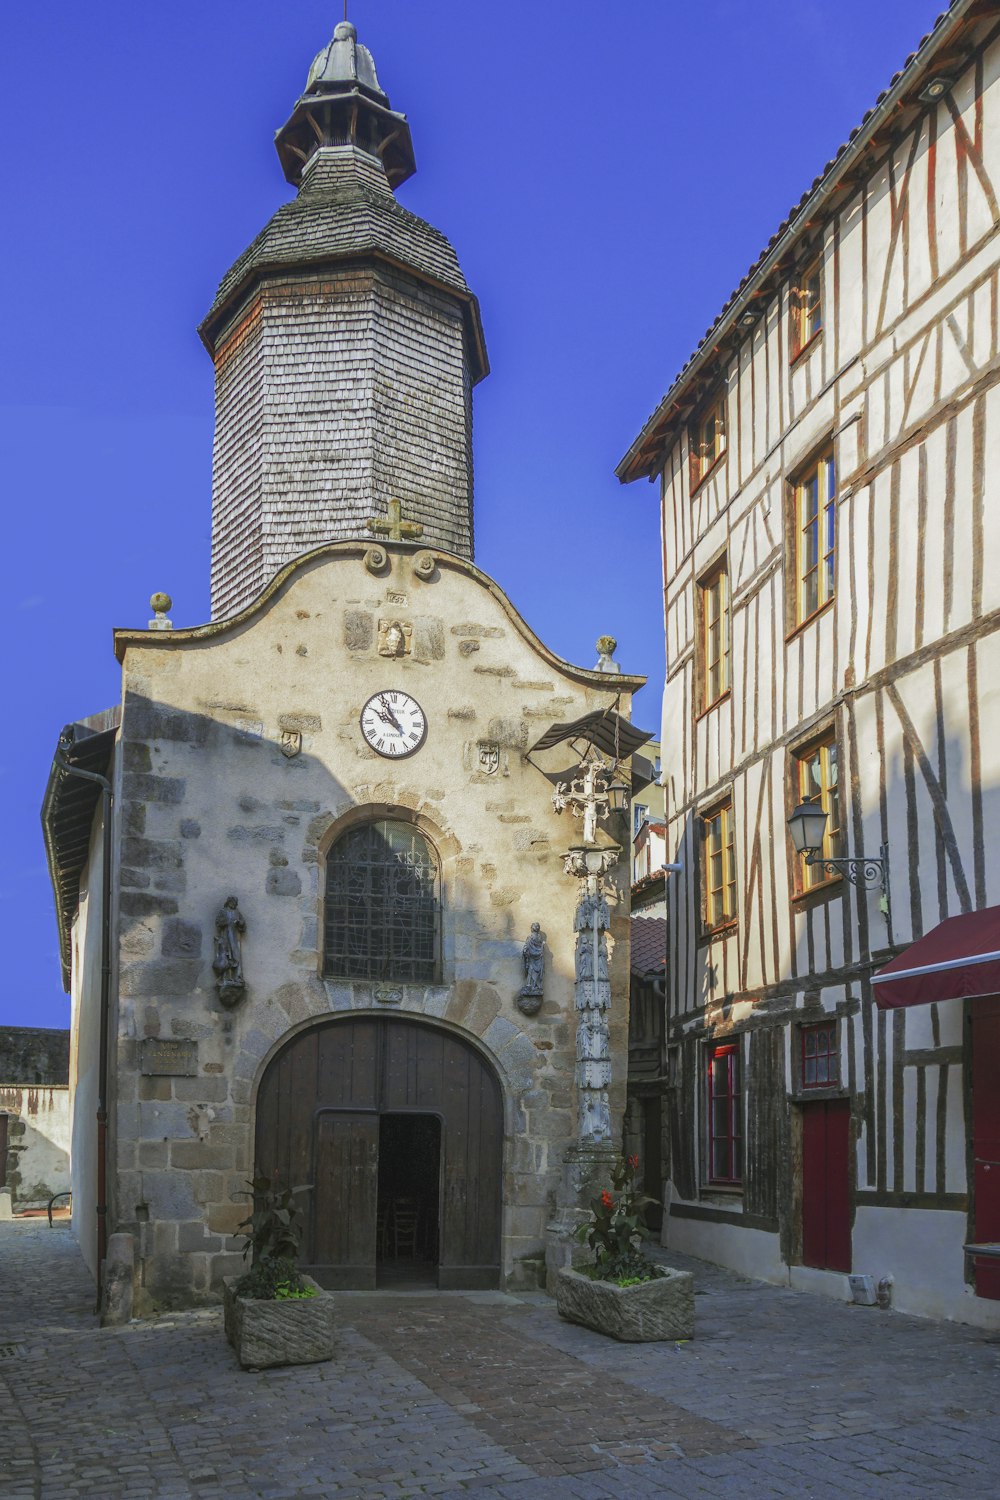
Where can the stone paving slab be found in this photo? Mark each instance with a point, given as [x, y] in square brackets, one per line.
[780, 1393]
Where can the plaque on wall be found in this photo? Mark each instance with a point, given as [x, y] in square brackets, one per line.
[174, 1057]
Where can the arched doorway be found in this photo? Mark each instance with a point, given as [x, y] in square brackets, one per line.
[396, 1128]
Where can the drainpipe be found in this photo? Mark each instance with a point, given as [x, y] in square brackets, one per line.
[65, 742]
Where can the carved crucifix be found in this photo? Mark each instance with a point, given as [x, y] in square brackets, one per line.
[395, 528]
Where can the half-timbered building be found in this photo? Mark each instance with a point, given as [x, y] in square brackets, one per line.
[827, 462]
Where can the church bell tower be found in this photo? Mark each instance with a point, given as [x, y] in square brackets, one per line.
[346, 345]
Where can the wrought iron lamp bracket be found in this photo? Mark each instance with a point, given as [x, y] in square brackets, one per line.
[870, 874]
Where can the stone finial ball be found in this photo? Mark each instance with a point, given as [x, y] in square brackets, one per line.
[160, 603]
[606, 645]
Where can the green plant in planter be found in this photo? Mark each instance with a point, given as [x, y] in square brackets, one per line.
[272, 1239]
[617, 1229]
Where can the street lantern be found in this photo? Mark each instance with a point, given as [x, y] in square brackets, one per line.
[807, 826]
[617, 793]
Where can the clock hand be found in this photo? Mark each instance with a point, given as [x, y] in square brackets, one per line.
[389, 717]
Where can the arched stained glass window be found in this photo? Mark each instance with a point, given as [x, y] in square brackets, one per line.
[381, 917]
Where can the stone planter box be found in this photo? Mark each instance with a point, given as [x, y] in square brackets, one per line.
[644, 1313]
[298, 1331]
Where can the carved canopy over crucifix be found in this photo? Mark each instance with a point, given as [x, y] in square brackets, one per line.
[395, 529]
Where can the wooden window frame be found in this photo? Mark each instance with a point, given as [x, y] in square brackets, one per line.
[808, 879]
[723, 812]
[828, 1030]
[812, 533]
[805, 309]
[717, 575]
[732, 1136]
[701, 460]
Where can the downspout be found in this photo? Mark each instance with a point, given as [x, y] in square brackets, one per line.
[65, 742]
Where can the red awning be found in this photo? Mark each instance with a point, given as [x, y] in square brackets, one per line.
[958, 960]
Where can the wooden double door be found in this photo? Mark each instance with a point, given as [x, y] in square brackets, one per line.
[386, 1121]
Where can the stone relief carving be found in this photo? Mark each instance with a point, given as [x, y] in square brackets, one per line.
[230, 926]
[290, 742]
[488, 757]
[424, 564]
[376, 559]
[592, 999]
[530, 995]
[394, 637]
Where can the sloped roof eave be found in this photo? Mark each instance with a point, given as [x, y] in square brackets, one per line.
[642, 458]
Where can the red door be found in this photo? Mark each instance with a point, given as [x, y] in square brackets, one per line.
[986, 1137]
[826, 1189]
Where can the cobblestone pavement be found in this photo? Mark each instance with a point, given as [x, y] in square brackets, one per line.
[780, 1393]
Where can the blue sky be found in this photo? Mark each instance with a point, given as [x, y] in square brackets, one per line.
[606, 173]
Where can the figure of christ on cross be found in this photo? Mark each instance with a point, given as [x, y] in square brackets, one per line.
[395, 529]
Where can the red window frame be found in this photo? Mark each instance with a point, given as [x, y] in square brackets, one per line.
[725, 1116]
[820, 1056]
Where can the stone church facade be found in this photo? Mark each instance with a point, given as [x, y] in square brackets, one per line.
[297, 870]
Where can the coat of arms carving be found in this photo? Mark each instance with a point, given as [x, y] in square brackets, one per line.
[488, 759]
[290, 741]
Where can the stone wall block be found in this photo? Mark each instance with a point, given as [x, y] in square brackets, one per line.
[145, 719]
[142, 787]
[138, 941]
[143, 904]
[180, 938]
[227, 1264]
[201, 1090]
[151, 854]
[258, 834]
[226, 1218]
[209, 1186]
[154, 1154]
[161, 1119]
[202, 1155]
[170, 1195]
[359, 630]
[283, 882]
[154, 1088]
[499, 1034]
[158, 977]
[428, 638]
[519, 1060]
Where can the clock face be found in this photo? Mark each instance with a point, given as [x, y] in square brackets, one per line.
[393, 723]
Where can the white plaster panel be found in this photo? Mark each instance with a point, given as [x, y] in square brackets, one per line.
[955, 1175]
[922, 1250]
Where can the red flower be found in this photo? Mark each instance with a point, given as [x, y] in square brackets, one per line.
[607, 1200]
[633, 1162]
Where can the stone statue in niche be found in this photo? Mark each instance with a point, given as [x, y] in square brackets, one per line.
[394, 637]
[529, 998]
[228, 961]
[585, 956]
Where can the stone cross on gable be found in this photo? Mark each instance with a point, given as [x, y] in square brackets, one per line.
[395, 529]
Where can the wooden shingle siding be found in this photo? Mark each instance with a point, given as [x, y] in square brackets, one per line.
[346, 346]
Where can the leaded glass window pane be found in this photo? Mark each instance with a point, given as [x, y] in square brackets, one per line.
[381, 917]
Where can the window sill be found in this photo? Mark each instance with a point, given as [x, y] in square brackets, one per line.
[817, 894]
[807, 348]
[804, 624]
[819, 1095]
[724, 930]
[708, 473]
[725, 1191]
[722, 698]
